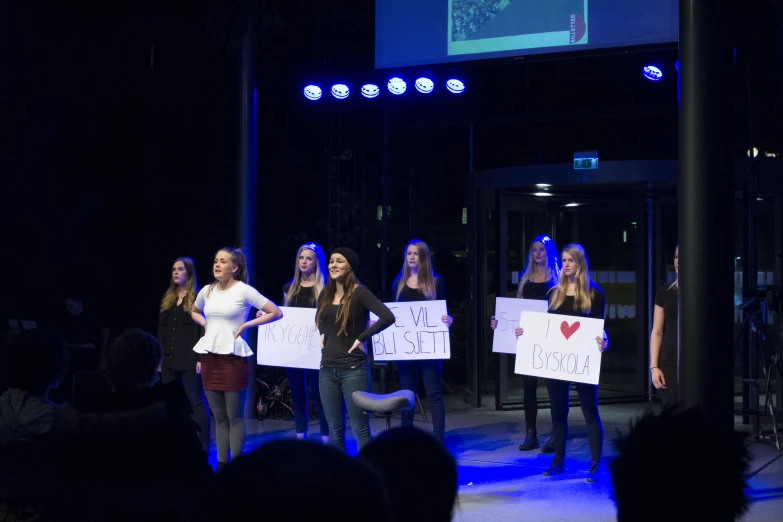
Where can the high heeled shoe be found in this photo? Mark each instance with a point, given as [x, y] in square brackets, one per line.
[557, 467]
[531, 440]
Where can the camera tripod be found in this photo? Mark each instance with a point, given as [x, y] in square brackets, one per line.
[754, 321]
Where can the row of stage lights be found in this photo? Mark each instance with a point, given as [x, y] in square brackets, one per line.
[655, 74]
[396, 86]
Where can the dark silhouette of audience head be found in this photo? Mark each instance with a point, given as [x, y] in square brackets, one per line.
[299, 480]
[74, 303]
[421, 475]
[658, 474]
[132, 360]
[36, 360]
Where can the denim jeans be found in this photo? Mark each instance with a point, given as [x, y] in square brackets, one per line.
[337, 386]
[560, 398]
[299, 379]
[195, 392]
[432, 374]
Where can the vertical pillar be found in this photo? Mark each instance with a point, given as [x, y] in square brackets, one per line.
[247, 176]
[705, 209]
[386, 186]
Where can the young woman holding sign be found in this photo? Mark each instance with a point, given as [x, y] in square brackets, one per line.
[538, 277]
[576, 295]
[178, 334]
[663, 339]
[302, 292]
[225, 368]
[343, 312]
[418, 282]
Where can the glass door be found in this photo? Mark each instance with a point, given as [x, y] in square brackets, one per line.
[613, 231]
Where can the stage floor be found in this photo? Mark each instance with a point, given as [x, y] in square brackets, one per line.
[498, 482]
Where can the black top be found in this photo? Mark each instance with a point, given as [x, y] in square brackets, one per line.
[335, 352]
[667, 298]
[596, 309]
[178, 334]
[414, 294]
[537, 291]
[305, 298]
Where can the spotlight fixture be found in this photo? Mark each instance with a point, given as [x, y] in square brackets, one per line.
[573, 204]
[370, 90]
[455, 86]
[340, 91]
[652, 73]
[425, 85]
[755, 152]
[313, 92]
[397, 86]
[543, 185]
[542, 194]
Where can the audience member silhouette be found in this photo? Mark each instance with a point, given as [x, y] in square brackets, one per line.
[299, 481]
[703, 481]
[160, 474]
[421, 475]
[35, 360]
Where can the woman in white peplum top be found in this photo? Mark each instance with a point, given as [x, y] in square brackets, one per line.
[225, 368]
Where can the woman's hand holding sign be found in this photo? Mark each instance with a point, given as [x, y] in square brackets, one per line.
[518, 332]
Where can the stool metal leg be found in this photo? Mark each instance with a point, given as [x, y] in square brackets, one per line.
[388, 421]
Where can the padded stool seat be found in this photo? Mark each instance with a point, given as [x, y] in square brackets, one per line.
[385, 404]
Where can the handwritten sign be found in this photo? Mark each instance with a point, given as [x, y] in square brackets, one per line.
[291, 342]
[559, 347]
[418, 333]
[507, 312]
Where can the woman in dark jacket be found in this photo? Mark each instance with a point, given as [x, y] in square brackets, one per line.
[178, 334]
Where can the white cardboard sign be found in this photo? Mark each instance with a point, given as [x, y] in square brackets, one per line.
[559, 347]
[418, 333]
[291, 342]
[507, 312]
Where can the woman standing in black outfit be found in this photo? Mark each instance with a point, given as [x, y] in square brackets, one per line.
[178, 334]
[663, 339]
[538, 277]
[418, 282]
[575, 294]
[302, 292]
[344, 309]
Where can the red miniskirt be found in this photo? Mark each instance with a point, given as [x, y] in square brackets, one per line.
[224, 372]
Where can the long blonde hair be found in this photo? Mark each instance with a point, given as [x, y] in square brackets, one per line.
[426, 276]
[349, 284]
[552, 261]
[171, 296]
[583, 297]
[320, 273]
[239, 260]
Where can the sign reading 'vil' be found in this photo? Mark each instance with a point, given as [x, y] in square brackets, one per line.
[418, 333]
[559, 347]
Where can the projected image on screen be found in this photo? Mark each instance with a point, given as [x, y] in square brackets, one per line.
[486, 26]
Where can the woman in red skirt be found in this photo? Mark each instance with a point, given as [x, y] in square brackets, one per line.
[225, 368]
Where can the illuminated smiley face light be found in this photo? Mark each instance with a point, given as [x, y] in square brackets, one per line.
[397, 86]
[370, 90]
[455, 86]
[340, 91]
[313, 92]
[425, 85]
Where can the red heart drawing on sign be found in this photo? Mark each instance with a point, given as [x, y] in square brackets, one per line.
[567, 330]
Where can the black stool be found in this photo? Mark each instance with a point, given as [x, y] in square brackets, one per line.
[386, 404]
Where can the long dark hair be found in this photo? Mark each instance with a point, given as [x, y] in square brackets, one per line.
[426, 275]
[171, 296]
[349, 284]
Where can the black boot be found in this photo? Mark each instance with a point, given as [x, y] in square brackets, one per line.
[531, 440]
[592, 474]
[557, 467]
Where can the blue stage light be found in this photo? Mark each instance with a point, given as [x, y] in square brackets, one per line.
[313, 92]
[340, 91]
[652, 73]
[370, 90]
[397, 86]
[455, 86]
[677, 65]
[425, 85]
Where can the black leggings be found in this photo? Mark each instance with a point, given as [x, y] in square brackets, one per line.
[530, 386]
[191, 381]
[560, 397]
